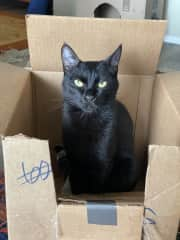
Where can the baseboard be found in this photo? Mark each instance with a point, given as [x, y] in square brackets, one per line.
[172, 39]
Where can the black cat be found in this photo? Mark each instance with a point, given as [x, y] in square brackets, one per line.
[97, 130]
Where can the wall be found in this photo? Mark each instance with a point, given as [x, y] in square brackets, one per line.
[155, 9]
[64, 7]
[173, 16]
[130, 9]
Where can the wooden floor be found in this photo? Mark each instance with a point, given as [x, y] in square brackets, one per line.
[12, 29]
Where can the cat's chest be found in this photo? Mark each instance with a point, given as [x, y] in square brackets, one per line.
[86, 138]
[87, 128]
[83, 135]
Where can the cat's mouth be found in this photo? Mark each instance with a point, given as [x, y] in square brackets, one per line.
[89, 107]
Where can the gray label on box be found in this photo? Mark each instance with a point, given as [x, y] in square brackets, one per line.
[102, 212]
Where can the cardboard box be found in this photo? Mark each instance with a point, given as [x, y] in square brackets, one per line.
[31, 104]
[125, 9]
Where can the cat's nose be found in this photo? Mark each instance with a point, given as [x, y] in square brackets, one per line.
[89, 98]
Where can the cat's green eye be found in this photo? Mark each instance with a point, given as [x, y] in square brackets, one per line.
[78, 83]
[102, 84]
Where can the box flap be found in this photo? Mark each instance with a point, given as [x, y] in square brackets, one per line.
[165, 116]
[102, 216]
[162, 200]
[99, 220]
[95, 39]
[164, 169]
[16, 113]
[30, 194]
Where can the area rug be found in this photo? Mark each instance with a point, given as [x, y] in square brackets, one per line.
[3, 222]
[16, 57]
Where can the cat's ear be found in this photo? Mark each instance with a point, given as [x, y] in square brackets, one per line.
[69, 58]
[114, 59]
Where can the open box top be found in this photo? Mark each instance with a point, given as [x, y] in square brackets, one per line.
[30, 97]
[95, 39]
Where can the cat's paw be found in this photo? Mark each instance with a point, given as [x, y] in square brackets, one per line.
[62, 159]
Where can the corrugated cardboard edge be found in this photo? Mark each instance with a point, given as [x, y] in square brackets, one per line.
[162, 200]
[31, 207]
[34, 103]
[16, 106]
[121, 199]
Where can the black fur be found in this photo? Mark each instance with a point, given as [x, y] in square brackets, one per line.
[97, 130]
